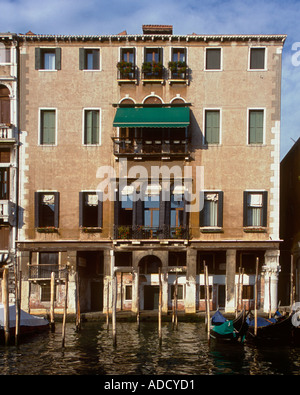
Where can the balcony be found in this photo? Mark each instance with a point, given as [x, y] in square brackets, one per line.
[4, 210]
[152, 72]
[127, 73]
[178, 72]
[7, 133]
[138, 232]
[137, 147]
[43, 271]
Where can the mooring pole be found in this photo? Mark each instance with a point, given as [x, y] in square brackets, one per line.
[52, 299]
[5, 299]
[18, 282]
[65, 309]
[78, 319]
[159, 307]
[107, 303]
[255, 297]
[138, 299]
[207, 302]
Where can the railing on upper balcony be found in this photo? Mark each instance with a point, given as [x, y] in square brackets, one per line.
[4, 210]
[135, 146]
[43, 271]
[178, 71]
[6, 132]
[128, 232]
[127, 72]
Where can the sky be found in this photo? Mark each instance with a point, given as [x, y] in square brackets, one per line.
[101, 17]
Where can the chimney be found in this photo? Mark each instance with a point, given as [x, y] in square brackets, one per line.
[157, 29]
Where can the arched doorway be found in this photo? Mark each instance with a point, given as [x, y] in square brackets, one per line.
[149, 265]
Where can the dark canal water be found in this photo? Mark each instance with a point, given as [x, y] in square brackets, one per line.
[182, 352]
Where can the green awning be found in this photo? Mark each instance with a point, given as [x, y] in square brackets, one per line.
[152, 117]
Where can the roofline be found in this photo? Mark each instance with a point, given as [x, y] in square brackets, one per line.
[170, 37]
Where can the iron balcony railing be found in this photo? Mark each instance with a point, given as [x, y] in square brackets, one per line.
[128, 74]
[129, 232]
[133, 146]
[43, 271]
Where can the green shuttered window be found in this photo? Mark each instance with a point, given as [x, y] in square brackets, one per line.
[256, 126]
[213, 59]
[91, 127]
[257, 58]
[47, 58]
[47, 127]
[212, 126]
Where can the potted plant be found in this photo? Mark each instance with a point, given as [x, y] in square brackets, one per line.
[126, 69]
[152, 69]
[178, 69]
[123, 232]
[47, 229]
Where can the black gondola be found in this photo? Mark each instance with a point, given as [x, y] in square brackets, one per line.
[233, 331]
[269, 331]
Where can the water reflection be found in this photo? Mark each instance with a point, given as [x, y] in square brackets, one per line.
[185, 351]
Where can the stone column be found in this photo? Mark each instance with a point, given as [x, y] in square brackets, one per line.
[230, 280]
[190, 288]
[106, 281]
[271, 271]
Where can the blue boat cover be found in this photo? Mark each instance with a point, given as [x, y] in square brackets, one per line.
[218, 318]
[226, 328]
[261, 321]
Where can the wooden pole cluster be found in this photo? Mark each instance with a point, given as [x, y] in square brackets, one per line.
[207, 308]
[107, 304]
[292, 283]
[240, 291]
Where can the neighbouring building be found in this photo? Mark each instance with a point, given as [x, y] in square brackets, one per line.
[9, 107]
[147, 153]
[289, 289]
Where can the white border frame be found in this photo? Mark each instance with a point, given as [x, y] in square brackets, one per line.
[266, 57]
[221, 58]
[264, 127]
[220, 128]
[39, 126]
[100, 60]
[100, 126]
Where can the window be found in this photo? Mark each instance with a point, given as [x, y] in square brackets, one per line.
[48, 58]
[128, 292]
[153, 63]
[179, 292]
[48, 263]
[128, 55]
[178, 54]
[257, 58]
[202, 292]
[91, 127]
[255, 209]
[4, 104]
[4, 183]
[212, 126]
[47, 127]
[89, 59]
[256, 127]
[91, 210]
[46, 209]
[4, 54]
[213, 59]
[248, 292]
[212, 213]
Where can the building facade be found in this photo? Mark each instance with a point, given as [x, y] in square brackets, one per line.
[9, 135]
[144, 157]
[289, 225]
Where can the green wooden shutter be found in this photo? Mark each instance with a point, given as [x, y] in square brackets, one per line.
[220, 209]
[47, 127]
[57, 58]
[265, 209]
[257, 58]
[81, 58]
[56, 210]
[245, 209]
[100, 210]
[38, 58]
[37, 209]
[96, 59]
[212, 127]
[256, 126]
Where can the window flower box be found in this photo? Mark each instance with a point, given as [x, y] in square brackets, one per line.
[86, 229]
[47, 229]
